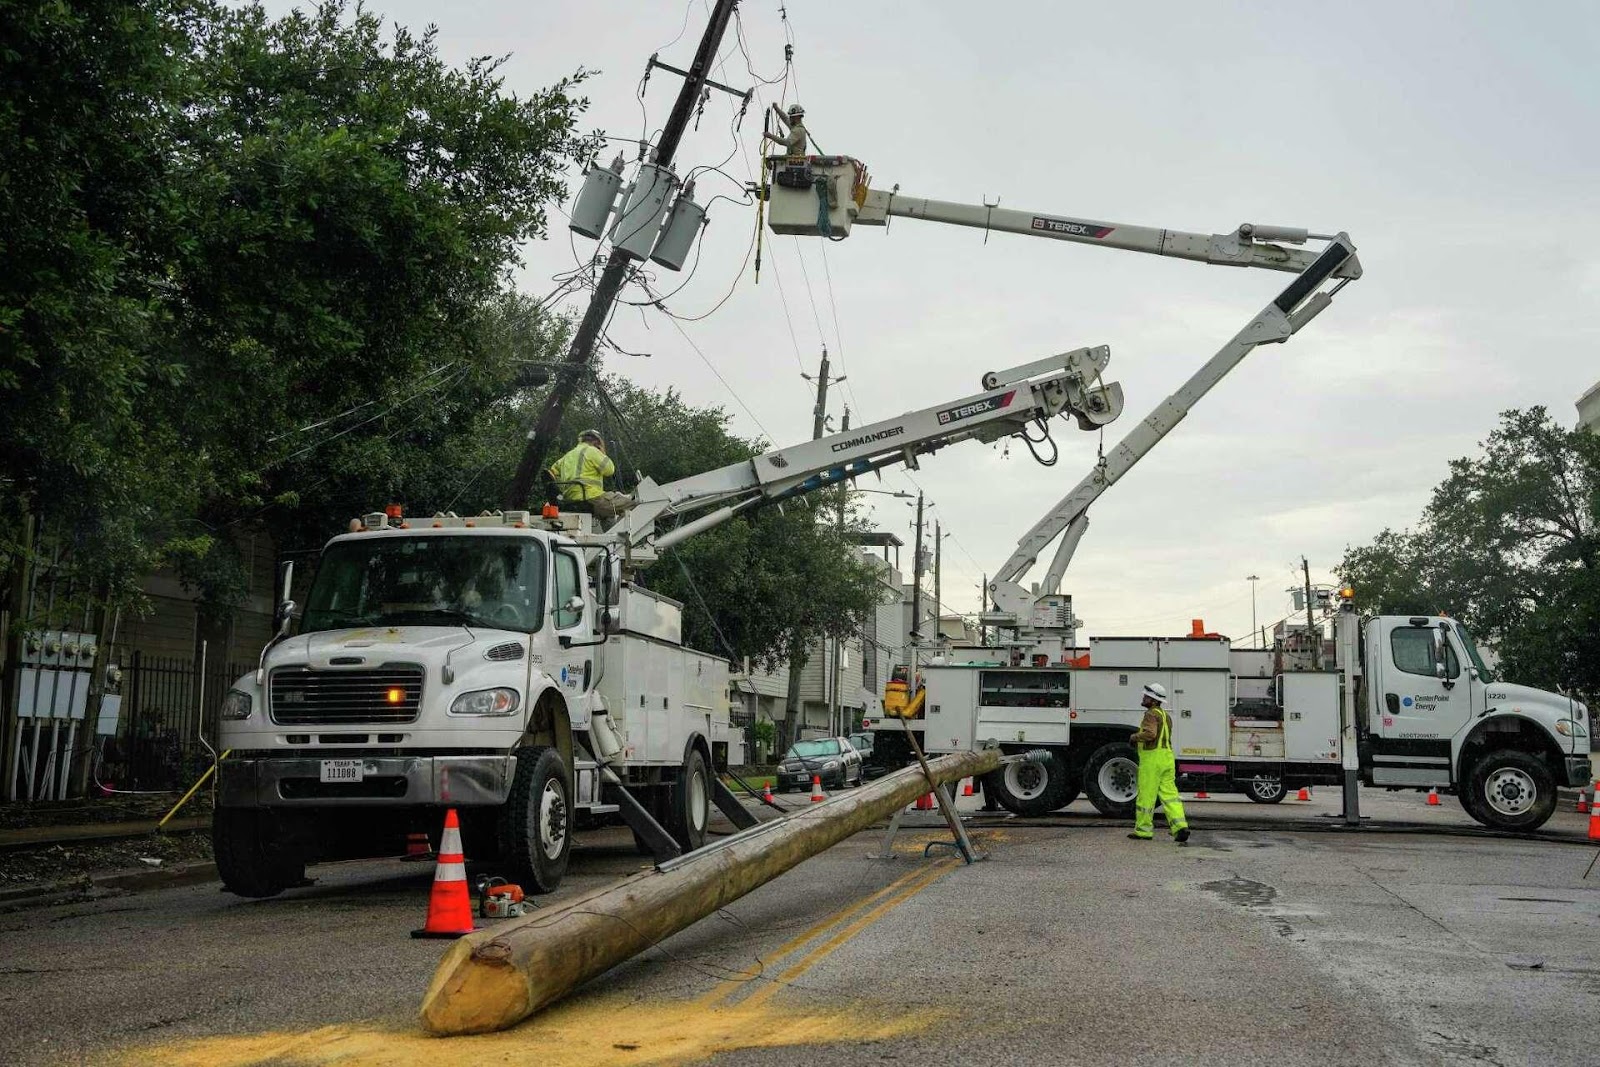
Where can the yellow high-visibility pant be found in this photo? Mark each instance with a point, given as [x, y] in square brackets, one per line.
[1158, 780]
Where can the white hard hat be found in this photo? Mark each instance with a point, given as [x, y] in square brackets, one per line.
[796, 111]
[1157, 692]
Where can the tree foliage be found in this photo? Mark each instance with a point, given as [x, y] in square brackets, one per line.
[247, 262]
[1510, 544]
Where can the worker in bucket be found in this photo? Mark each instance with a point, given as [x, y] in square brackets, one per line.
[1158, 773]
[580, 476]
[794, 141]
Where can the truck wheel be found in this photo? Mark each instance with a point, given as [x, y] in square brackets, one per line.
[536, 824]
[691, 802]
[1510, 790]
[249, 860]
[1112, 779]
[1071, 786]
[1028, 788]
[1265, 790]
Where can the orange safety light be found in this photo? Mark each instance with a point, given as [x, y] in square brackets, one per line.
[394, 511]
[1347, 593]
[549, 511]
[395, 695]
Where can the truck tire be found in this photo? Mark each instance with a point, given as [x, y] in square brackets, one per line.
[1265, 790]
[536, 823]
[691, 802]
[1029, 789]
[1111, 779]
[249, 860]
[1510, 790]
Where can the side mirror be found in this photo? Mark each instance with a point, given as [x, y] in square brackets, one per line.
[285, 617]
[286, 606]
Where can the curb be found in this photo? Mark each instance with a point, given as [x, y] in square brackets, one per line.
[107, 884]
[85, 833]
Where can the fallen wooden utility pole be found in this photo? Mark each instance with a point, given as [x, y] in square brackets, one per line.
[496, 978]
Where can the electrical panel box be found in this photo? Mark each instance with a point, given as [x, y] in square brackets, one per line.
[815, 196]
[1311, 716]
[658, 694]
[970, 706]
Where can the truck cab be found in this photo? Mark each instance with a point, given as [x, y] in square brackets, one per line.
[1434, 715]
[493, 665]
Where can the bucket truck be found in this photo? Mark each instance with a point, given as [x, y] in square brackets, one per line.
[1408, 703]
[510, 666]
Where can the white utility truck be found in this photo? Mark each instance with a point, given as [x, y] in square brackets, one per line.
[1425, 710]
[1503, 748]
[510, 666]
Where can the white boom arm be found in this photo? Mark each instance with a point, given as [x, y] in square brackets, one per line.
[1067, 384]
[826, 195]
[1297, 305]
[1248, 246]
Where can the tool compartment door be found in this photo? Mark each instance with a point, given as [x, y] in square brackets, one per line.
[1198, 704]
[1311, 716]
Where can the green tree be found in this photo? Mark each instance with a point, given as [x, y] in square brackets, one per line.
[249, 262]
[1510, 544]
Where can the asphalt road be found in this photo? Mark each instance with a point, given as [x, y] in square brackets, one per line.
[1272, 938]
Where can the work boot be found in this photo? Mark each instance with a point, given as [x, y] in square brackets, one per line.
[1139, 837]
[1182, 836]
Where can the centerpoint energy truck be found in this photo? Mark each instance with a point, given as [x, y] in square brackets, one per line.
[511, 666]
[1407, 704]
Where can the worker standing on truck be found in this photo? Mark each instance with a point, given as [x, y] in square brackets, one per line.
[580, 476]
[1158, 772]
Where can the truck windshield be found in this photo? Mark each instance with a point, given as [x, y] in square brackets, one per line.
[1472, 653]
[469, 580]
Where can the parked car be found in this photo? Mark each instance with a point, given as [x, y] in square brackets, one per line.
[833, 759]
[870, 768]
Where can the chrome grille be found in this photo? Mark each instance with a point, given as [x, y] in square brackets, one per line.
[301, 696]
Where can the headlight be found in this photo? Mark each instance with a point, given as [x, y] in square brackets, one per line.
[486, 702]
[236, 705]
[1570, 728]
[831, 765]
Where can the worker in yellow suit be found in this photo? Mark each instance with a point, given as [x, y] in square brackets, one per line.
[580, 476]
[1158, 772]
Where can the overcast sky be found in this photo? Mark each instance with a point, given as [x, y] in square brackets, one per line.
[1455, 143]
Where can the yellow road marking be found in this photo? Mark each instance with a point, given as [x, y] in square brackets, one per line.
[730, 986]
[918, 884]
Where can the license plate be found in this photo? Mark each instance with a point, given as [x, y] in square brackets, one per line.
[342, 770]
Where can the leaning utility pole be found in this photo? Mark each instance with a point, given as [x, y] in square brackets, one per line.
[618, 265]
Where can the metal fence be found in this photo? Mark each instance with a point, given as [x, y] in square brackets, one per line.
[168, 719]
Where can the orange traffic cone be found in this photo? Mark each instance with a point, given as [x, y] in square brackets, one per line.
[925, 802]
[417, 847]
[1304, 794]
[1594, 822]
[450, 903]
[766, 793]
[1433, 798]
[966, 787]
[816, 789]
[1201, 794]
[1583, 801]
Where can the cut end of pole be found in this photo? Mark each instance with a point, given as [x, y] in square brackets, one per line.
[474, 994]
